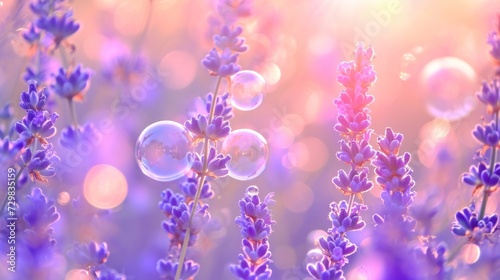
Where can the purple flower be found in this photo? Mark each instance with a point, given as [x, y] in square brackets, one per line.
[178, 223]
[480, 176]
[352, 125]
[37, 125]
[223, 64]
[33, 100]
[487, 134]
[494, 42]
[169, 200]
[70, 84]
[354, 153]
[228, 39]
[39, 212]
[216, 164]
[89, 254]
[43, 8]
[217, 129]
[255, 223]
[6, 113]
[231, 10]
[168, 267]
[325, 270]
[70, 136]
[190, 186]
[39, 164]
[222, 108]
[356, 182]
[344, 221]
[32, 35]
[468, 224]
[60, 27]
[490, 95]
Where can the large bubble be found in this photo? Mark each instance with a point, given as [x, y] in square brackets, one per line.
[249, 153]
[161, 151]
[449, 85]
[247, 90]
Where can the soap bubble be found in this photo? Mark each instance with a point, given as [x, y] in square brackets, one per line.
[449, 85]
[247, 90]
[249, 152]
[252, 191]
[161, 151]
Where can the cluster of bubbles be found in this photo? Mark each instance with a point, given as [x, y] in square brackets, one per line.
[163, 147]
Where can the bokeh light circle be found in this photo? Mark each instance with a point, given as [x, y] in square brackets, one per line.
[247, 90]
[449, 84]
[249, 153]
[161, 151]
[105, 186]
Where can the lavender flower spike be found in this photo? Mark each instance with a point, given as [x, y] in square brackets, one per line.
[255, 223]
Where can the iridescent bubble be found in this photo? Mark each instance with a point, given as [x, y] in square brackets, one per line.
[249, 152]
[449, 85]
[247, 90]
[252, 190]
[161, 151]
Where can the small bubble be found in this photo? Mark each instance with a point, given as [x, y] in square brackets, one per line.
[252, 191]
[314, 256]
[449, 84]
[407, 63]
[247, 90]
[470, 253]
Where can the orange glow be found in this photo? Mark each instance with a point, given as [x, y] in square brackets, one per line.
[105, 187]
[78, 274]
[63, 198]
[178, 77]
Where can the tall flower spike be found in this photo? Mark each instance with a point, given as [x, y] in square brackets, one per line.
[60, 26]
[255, 223]
[353, 122]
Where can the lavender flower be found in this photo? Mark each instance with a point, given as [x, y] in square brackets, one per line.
[353, 124]
[60, 27]
[36, 126]
[39, 164]
[217, 129]
[33, 100]
[71, 83]
[71, 136]
[216, 164]
[167, 269]
[9, 152]
[43, 8]
[469, 225]
[36, 246]
[255, 223]
[92, 256]
[222, 106]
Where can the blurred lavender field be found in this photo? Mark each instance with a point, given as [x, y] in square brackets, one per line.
[431, 57]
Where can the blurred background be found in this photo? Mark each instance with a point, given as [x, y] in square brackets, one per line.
[431, 57]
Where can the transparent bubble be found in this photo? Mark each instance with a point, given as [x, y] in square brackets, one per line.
[161, 151]
[449, 85]
[249, 152]
[314, 256]
[247, 90]
[252, 190]
[407, 61]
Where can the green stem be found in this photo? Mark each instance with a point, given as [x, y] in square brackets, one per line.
[349, 206]
[491, 169]
[201, 181]
[72, 112]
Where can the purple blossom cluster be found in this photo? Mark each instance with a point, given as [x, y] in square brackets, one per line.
[92, 257]
[187, 212]
[353, 122]
[484, 176]
[256, 226]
